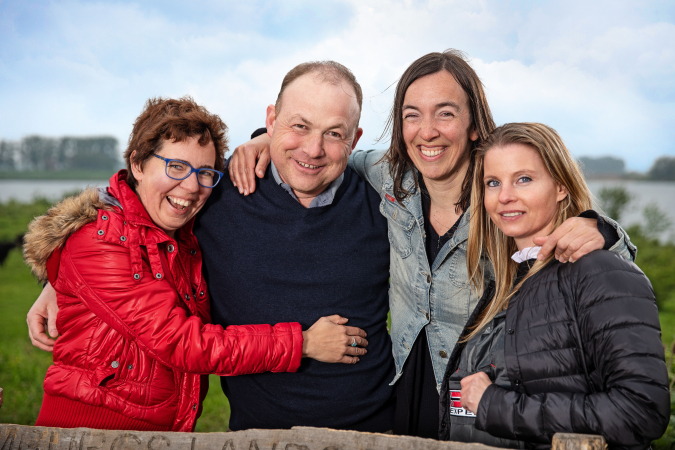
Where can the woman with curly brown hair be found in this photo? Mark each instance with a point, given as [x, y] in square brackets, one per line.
[136, 345]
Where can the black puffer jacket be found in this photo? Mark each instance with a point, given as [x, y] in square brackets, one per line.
[599, 313]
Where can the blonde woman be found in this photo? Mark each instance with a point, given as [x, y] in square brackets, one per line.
[550, 347]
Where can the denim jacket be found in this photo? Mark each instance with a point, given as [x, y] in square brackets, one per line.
[439, 297]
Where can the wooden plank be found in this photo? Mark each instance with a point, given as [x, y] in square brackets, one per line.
[569, 441]
[21, 437]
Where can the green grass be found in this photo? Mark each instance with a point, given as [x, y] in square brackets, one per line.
[15, 216]
[57, 175]
[22, 366]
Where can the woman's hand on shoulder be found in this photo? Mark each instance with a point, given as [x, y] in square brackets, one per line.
[247, 161]
[329, 340]
[574, 238]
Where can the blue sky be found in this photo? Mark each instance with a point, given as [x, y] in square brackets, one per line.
[601, 72]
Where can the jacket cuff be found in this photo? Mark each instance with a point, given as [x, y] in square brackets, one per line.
[608, 232]
[484, 407]
[296, 351]
[258, 132]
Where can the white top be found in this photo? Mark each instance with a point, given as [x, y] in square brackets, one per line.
[525, 254]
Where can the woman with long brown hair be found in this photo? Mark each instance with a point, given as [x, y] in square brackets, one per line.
[439, 118]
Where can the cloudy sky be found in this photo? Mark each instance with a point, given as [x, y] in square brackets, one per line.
[602, 72]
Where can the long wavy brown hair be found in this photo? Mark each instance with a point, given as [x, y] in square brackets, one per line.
[455, 62]
[487, 241]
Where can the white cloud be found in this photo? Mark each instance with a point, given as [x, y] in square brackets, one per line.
[600, 73]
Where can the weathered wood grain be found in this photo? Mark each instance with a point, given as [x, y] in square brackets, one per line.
[568, 441]
[20, 437]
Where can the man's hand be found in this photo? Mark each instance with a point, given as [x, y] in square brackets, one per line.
[243, 163]
[329, 340]
[42, 317]
[473, 388]
[576, 237]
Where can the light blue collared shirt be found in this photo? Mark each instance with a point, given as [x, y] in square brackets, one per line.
[323, 199]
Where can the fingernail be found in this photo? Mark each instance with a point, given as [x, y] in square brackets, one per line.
[245, 191]
[240, 191]
[260, 173]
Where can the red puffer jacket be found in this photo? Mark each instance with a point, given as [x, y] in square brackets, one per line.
[133, 309]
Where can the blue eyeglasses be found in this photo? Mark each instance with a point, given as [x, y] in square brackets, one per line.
[180, 170]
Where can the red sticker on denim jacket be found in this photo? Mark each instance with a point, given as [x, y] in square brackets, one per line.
[390, 198]
[456, 405]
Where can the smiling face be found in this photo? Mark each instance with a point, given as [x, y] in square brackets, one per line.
[313, 134]
[521, 197]
[172, 203]
[437, 126]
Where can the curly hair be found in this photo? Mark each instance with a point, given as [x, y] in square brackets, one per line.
[168, 119]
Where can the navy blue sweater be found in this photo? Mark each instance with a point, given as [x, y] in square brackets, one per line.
[268, 259]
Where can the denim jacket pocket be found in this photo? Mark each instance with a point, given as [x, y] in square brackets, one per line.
[400, 224]
[459, 276]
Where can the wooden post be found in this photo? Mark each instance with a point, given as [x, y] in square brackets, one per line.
[0, 397]
[569, 441]
[21, 437]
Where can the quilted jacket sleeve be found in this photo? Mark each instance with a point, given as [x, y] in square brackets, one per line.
[97, 273]
[620, 331]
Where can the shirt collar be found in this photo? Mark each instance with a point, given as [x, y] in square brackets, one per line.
[525, 254]
[323, 199]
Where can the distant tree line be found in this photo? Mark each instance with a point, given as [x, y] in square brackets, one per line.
[54, 154]
[662, 169]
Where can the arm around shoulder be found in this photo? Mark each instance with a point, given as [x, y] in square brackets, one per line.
[370, 166]
[622, 246]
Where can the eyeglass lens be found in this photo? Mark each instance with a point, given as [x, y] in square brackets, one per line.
[179, 171]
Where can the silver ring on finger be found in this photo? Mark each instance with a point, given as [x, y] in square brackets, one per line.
[354, 344]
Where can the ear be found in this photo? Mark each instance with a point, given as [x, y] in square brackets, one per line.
[357, 136]
[562, 193]
[270, 119]
[473, 134]
[136, 167]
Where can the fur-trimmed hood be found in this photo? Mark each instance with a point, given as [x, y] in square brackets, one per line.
[49, 232]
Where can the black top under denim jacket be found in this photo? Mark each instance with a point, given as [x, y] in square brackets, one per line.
[416, 390]
[582, 354]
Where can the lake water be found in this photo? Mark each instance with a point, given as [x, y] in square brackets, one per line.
[26, 190]
[644, 192]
